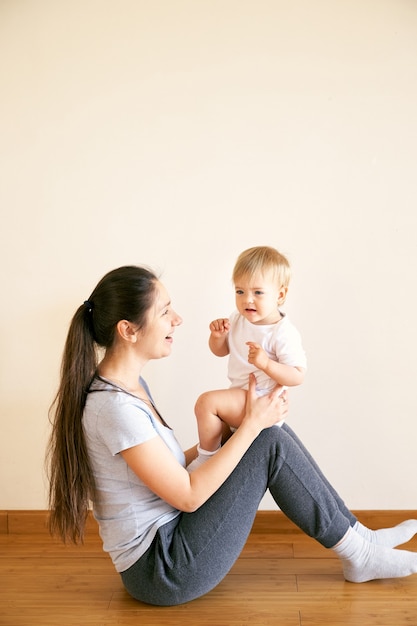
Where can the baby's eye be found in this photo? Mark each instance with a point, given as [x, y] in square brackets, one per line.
[259, 293]
[239, 292]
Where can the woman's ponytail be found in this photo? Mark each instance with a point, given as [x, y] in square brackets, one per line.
[71, 483]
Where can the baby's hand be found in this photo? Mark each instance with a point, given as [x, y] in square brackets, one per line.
[257, 356]
[219, 327]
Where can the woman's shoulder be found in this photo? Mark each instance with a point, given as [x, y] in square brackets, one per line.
[105, 399]
[118, 418]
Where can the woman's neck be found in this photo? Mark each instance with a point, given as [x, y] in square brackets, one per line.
[125, 372]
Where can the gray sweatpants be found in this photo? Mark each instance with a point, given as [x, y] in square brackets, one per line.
[192, 554]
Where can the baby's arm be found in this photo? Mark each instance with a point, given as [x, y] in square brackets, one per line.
[287, 375]
[218, 344]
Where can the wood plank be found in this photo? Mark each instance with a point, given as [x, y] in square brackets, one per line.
[358, 614]
[280, 578]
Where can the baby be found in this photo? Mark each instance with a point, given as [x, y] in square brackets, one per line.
[258, 338]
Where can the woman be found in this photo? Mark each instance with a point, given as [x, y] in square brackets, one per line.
[173, 535]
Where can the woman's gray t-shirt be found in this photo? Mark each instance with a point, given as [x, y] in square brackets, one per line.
[128, 512]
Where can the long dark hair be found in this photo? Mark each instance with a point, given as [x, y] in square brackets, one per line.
[126, 293]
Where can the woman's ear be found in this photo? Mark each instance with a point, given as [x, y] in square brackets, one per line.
[127, 331]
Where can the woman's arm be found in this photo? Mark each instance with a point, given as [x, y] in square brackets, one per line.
[160, 471]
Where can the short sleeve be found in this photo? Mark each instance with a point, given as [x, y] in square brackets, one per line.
[124, 422]
[290, 349]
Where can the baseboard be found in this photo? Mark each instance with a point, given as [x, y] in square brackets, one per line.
[34, 522]
[273, 521]
[19, 522]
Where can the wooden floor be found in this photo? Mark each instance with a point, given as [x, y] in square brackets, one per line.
[281, 579]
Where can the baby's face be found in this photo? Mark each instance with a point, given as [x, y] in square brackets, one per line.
[257, 298]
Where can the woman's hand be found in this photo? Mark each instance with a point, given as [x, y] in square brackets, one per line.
[265, 411]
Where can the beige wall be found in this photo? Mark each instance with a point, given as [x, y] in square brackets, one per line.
[176, 133]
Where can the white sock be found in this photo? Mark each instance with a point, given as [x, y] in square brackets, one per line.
[363, 561]
[203, 456]
[388, 537]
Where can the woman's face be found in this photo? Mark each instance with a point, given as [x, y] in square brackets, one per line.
[155, 340]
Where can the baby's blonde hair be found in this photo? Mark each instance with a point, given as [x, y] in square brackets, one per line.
[262, 259]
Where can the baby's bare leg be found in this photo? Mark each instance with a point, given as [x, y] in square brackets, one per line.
[215, 407]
